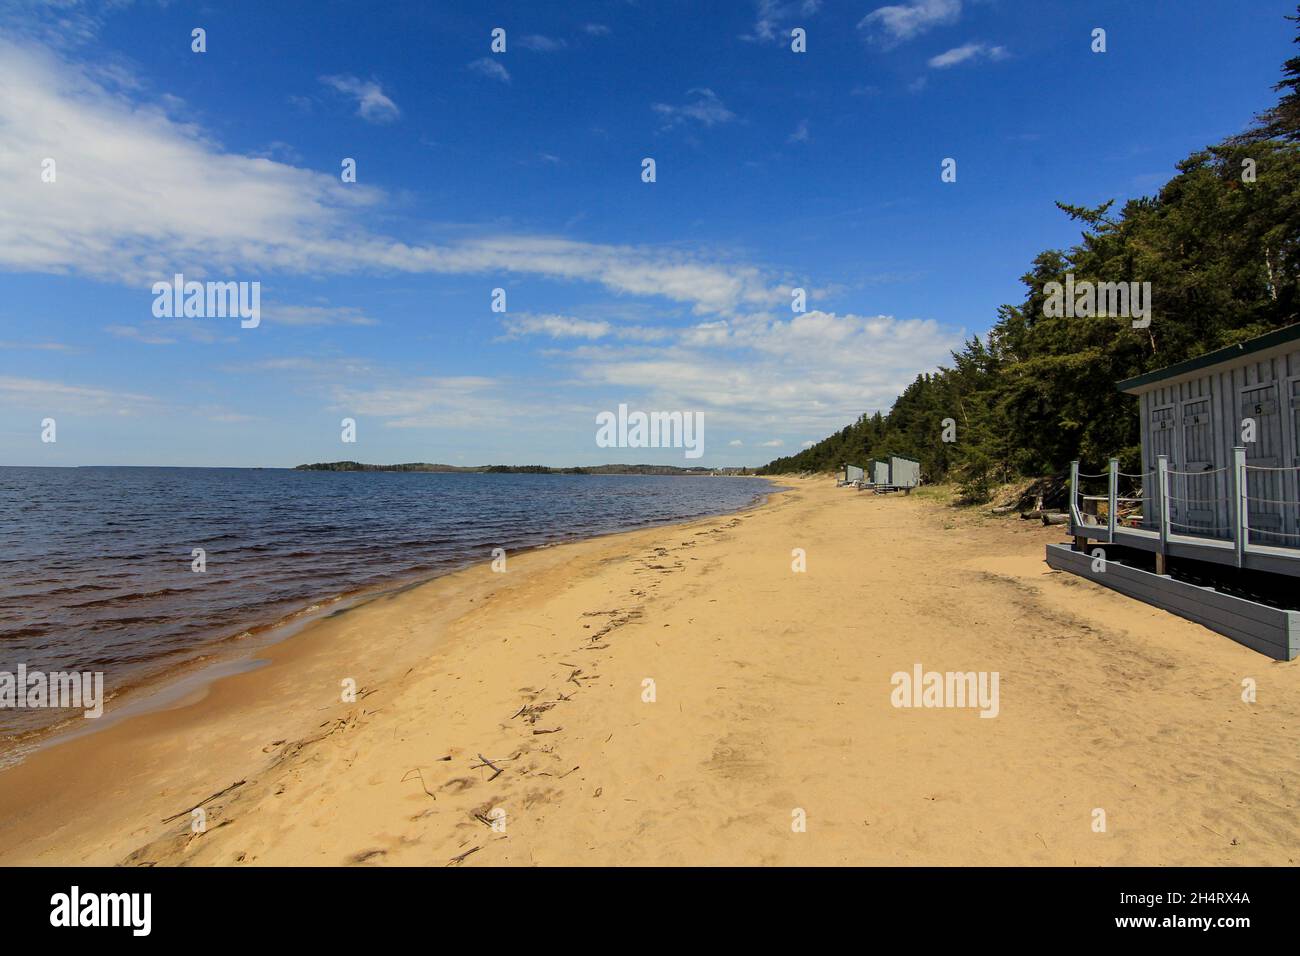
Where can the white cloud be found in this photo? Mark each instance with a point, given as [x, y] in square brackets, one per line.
[800, 134]
[812, 373]
[56, 22]
[540, 44]
[141, 195]
[706, 334]
[555, 326]
[774, 443]
[315, 315]
[966, 53]
[173, 331]
[596, 29]
[461, 401]
[735, 443]
[373, 105]
[774, 18]
[705, 108]
[807, 444]
[55, 398]
[907, 20]
[323, 369]
[138, 334]
[492, 69]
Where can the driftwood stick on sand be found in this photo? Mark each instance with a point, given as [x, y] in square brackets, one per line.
[219, 793]
[457, 860]
[416, 771]
[488, 763]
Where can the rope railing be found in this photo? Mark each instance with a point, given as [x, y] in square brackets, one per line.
[1222, 508]
[1120, 504]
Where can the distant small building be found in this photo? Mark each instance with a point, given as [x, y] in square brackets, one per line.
[904, 472]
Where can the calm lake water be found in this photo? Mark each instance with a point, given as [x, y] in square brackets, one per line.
[95, 563]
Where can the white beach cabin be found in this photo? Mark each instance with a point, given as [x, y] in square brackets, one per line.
[1219, 485]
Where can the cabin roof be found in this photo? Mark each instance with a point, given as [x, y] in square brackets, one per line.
[906, 458]
[1223, 356]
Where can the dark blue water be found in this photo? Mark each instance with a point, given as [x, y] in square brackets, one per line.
[95, 563]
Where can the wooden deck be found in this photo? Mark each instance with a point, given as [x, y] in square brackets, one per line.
[1158, 533]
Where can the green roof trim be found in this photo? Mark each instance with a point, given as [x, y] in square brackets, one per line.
[1283, 336]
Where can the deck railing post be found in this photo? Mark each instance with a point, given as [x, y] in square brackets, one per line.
[1113, 503]
[1238, 510]
[1162, 484]
[1075, 521]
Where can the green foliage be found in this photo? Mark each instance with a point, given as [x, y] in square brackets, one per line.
[1222, 255]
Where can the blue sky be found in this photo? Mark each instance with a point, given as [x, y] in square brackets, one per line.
[522, 170]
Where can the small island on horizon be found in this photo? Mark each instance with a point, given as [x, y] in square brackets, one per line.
[524, 469]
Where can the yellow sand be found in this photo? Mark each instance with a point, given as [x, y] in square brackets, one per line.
[772, 695]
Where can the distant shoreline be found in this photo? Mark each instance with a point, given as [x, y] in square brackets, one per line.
[436, 468]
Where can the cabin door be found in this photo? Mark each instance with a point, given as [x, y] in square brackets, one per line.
[1160, 439]
[1293, 477]
[1265, 488]
[1201, 499]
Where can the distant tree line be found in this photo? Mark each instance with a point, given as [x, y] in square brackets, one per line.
[1220, 246]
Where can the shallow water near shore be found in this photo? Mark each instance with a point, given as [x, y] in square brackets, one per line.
[96, 568]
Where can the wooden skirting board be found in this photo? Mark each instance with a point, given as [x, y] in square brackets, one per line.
[1261, 628]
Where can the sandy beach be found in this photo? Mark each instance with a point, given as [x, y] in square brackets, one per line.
[504, 719]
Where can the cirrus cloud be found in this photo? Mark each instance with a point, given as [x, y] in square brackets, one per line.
[373, 104]
[901, 22]
[966, 53]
